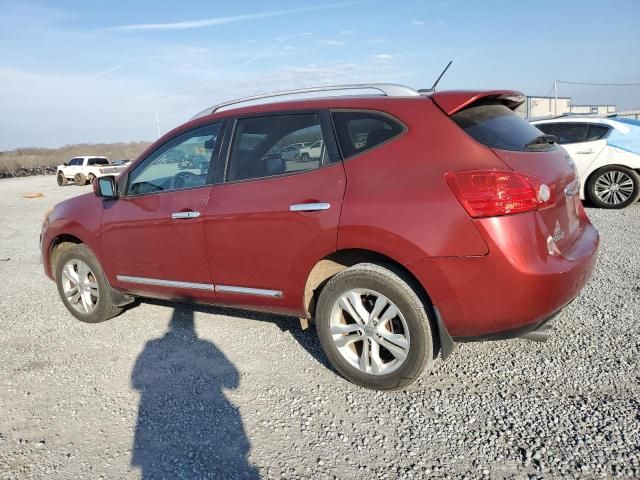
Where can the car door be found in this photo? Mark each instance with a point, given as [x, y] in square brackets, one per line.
[584, 142]
[271, 219]
[73, 167]
[152, 239]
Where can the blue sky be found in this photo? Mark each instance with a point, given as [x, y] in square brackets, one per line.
[76, 71]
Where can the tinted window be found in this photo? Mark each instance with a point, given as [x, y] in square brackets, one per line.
[176, 164]
[360, 131]
[596, 132]
[566, 132]
[497, 126]
[75, 161]
[259, 142]
[98, 161]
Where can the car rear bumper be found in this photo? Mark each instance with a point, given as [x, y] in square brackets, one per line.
[521, 282]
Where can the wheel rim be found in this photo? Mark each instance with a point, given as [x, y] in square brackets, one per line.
[369, 331]
[60, 179]
[80, 286]
[614, 187]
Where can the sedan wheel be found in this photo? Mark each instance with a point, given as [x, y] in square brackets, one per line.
[614, 187]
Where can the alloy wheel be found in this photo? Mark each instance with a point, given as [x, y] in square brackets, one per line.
[369, 331]
[80, 286]
[614, 187]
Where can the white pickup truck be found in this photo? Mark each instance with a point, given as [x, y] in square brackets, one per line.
[82, 170]
[312, 152]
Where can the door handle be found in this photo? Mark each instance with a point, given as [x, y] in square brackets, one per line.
[585, 152]
[184, 215]
[309, 207]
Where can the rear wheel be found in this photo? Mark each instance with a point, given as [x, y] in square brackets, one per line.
[304, 157]
[374, 328]
[82, 286]
[614, 187]
[80, 179]
[61, 179]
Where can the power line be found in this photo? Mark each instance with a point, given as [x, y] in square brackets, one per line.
[601, 84]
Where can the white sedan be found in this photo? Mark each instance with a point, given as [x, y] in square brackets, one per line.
[606, 152]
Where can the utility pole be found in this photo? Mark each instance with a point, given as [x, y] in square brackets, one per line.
[555, 103]
[158, 123]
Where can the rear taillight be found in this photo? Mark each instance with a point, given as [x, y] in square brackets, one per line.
[490, 193]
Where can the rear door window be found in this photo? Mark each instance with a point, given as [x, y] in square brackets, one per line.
[597, 132]
[98, 161]
[497, 126]
[566, 132]
[361, 131]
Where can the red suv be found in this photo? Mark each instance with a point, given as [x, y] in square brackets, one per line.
[416, 219]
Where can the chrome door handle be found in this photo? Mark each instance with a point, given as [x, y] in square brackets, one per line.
[309, 207]
[585, 152]
[183, 215]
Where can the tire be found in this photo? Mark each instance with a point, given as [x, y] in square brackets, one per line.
[103, 307]
[614, 187]
[369, 282]
[304, 157]
[80, 179]
[61, 179]
[90, 178]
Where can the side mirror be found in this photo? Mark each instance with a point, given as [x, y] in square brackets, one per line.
[275, 165]
[105, 187]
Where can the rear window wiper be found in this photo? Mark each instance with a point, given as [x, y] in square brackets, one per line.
[542, 140]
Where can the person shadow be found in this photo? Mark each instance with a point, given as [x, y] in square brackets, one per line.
[186, 427]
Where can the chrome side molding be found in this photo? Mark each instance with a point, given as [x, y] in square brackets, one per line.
[156, 282]
[309, 207]
[260, 292]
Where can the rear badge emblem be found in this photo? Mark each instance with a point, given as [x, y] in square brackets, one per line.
[558, 234]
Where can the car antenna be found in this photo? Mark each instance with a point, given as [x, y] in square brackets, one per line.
[433, 87]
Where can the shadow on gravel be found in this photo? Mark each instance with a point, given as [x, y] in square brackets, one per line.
[186, 427]
[306, 338]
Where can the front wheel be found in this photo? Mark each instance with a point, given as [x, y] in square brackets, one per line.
[374, 328]
[614, 187]
[82, 286]
[61, 179]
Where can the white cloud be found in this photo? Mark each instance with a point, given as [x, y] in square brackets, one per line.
[346, 32]
[215, 21]
[383, 57]
[417, 23]
[331, 43]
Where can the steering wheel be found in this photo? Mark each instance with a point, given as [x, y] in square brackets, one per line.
[185, 179]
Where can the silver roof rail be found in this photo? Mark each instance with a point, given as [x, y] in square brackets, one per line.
[386, 89]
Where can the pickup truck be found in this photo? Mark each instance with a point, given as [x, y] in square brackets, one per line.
[82, 170]
[312, 152]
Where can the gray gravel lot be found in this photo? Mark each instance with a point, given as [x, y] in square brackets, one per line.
[178, 392]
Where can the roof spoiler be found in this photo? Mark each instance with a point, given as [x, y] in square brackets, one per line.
[453, 101]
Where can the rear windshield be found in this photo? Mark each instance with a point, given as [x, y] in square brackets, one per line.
[496, 126]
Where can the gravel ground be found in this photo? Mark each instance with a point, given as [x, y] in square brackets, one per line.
[171, 391]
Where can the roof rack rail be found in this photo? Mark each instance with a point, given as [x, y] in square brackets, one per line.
[386, 89]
